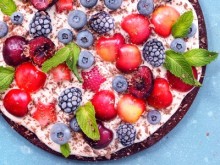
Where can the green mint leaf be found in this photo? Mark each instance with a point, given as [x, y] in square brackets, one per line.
[6, 77]
[8, 7]
[181, 28]
[60, 57]
[73, 58]
[65, 150]
[200, 57]
[177, 65]
[85, 116]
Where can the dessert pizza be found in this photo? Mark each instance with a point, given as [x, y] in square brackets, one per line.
[99, 79]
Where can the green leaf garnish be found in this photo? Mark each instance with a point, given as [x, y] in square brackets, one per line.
[200, 57]
[85, 116]
[65, 150]
[8, 7]
[181, 28]
[6, 77]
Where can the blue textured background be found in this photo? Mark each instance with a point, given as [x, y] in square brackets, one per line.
[195, 141]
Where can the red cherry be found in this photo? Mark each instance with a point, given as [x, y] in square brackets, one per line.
[42, 4]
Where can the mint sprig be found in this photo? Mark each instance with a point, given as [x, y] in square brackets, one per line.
[85, 116]
[65, 150]
[6, 77]
[8, 7]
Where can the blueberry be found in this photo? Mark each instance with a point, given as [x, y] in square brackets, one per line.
[86, 60]
[77, 19]
[60, 133]
[153, 117]
[74, 125]
[192, 30]
[3, 29]
[65, 36]
[88, 3]
[113, 4]
[178, 45]
[120, 84]
[145, 7]
[84, 39]
[17, 18]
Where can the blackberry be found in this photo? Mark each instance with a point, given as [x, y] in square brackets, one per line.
[101, 22]
[70, 99]
[41, 24]
[154, 52]
[126, 134]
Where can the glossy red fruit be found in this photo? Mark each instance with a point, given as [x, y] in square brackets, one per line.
[61, 73]
[13, 50]
[42, 4]
[161, 97]
[108, 48]
[104, 104]
[41, 49]
[177, 84]
[163, 18]
[129, 58]
[16, 102]
[29, 78]
[64, 5]
[138, 28]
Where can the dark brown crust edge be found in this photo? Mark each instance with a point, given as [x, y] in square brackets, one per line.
[154, 138]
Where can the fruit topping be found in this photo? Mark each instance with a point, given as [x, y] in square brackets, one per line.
[153, 117]
[17, 18]
[60, 133]
[138, 28]
[74, 125]
[42, 4]
[129, 58]
[108, 48]
[101, 22]
[41, 49]
[104, 104]
[3, 29]
[154, 52]
[64, 5]
[178, 45]
[61, 73]
[120, 84]
[45, 114]
[65, 36]
[29, 78]
[88, 3]
[92, 79]
[163, 18]
[40, 24]
[86, 60]
[192, 30]
[77, 19]
[16, 102]
[13, 50]
[84, 39]
[145, 7]
[130, 108]
[126, 134]
[113, 4]
[70, 99]
[142, 83]
[161, 97]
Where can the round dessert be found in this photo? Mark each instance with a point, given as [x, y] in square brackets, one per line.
[98, 80]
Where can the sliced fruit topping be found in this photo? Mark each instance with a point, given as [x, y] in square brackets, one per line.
[126, 134]
[65, 36]
[154, 52]
[178, 45]
[145, 7]
[163, 18]
[192, 30]
[70, 99]
[45, 114]
[41, 49]
[13, 50]
[106, 136]
[77, 19]
[92, 79]
[113, 4]
[17, 18]
[61, 73]
[161, 97]
[60, 133]
[74, 125]
[84, 39]
[101, 22]
[64, 5]
[142, 83]
[29, 78]
[129, 58]
[42, 4]
[104, 104]
[16, 102]
[88, 3]
[130, 108]
[86, 59]
[120, 84]
[137, 26]
[3, 29]
[108, 48]
[153, 117]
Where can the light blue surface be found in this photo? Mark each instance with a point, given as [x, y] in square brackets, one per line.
[195, 141]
